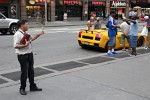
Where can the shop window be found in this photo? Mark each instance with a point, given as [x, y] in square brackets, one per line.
[73, 11]
[34, 11]
[73, 8]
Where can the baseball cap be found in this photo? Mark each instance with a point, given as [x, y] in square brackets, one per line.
[92, 18]
[146, 17]
[98, 18]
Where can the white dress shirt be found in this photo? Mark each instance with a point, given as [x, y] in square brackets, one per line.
[17, 38]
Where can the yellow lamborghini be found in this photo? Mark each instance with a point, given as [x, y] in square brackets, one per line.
[99, 39]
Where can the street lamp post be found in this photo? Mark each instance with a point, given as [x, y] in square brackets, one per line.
[45, 12]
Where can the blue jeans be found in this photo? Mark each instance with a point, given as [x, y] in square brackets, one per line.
[112, 41]
[133, 41]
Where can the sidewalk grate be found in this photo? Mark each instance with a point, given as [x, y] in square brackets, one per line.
[143, 51]
[96, 60]
[16, 75]
[2, 81]
[121, 55]
[65, 66]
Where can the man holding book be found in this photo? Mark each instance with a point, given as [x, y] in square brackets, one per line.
[23, 47]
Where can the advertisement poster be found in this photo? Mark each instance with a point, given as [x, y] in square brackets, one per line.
[13, 11]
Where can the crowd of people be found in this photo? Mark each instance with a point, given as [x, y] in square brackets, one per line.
[129, 28]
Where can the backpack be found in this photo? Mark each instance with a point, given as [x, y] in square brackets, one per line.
[107, 24]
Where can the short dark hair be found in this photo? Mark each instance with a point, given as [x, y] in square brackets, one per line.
[21, 22]
[112, 12]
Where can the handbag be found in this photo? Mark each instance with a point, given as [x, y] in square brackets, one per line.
[144, 31]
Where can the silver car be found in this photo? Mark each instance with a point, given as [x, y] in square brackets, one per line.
[8, 25]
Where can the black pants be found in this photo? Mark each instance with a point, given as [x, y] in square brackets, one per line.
[26, 63]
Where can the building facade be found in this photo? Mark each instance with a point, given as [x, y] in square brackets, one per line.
[10, 8]
[76, 9]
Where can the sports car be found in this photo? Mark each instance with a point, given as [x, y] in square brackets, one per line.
[99, 39]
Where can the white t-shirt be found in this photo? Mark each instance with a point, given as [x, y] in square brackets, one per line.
[125, 27]
[17, 38]
[130, 13]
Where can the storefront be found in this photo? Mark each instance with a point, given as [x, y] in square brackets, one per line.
[36, 8]
[97, 7]
[119, 7]
[9, 8]
[73, 9]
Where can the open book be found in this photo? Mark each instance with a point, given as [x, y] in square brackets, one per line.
[25, 37]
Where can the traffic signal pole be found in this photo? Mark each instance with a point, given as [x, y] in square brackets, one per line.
[45, 12]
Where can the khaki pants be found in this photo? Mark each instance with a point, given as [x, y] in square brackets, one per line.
[148, 39]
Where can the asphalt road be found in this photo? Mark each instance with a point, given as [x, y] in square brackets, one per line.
[57, 44]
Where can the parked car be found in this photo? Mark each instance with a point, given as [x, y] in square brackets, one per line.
[99, 39]
[8, 25]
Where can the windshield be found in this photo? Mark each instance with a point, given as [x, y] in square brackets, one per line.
[2, 16]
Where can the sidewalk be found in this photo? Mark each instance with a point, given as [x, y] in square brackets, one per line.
[119, 79]
[69, 23]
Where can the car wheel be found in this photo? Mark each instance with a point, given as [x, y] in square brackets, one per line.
[83, 46]
[4, 31]
[140, 41]
[13, 29]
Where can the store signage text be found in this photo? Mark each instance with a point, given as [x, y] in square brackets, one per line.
[38, 1]
[118, 4]
[97, 3]
[72, 2]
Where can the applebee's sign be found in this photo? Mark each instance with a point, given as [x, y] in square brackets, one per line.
[118, 4]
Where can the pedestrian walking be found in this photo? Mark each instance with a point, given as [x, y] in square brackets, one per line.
[148, 26]
[145, 32]
[97, 24]
[125, 33]
[133, 34]
[90, 23]
[112, 32]
[37, 15]
[25, 55]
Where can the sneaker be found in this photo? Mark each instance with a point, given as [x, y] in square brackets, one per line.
[110, 54]
[114, 52]
[23, 92]
[146, 48]
[123, 49]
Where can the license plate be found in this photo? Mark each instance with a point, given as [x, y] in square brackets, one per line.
[87, 43]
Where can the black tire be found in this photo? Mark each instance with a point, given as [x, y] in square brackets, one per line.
[13, 28]
[83, 46]
[4, 31]
[140, 41]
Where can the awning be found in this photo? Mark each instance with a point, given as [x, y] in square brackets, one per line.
[5, 1]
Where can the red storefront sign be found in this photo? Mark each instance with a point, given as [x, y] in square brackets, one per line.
[71, 2]
[4, 1]
[97, 3]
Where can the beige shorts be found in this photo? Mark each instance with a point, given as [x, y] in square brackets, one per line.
[148, 39]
